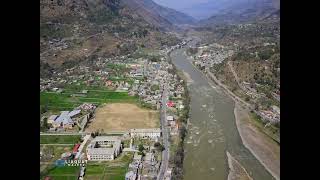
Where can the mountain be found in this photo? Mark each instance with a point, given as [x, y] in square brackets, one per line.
[152, 17]
[241, 11]
[169, 14]
[73, 31]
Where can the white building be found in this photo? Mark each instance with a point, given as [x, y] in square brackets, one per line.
[103, 148]
[146, 133]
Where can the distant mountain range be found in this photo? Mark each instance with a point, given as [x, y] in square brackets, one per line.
[158, 15]
[240, 11]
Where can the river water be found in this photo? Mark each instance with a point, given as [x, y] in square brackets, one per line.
[212, 130]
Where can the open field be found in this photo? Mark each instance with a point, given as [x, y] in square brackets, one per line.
[113, 170]
[59, 139]
[118, 117]
[64, 173]
[96, 95]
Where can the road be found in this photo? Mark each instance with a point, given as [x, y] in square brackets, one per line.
[85, 139]
[62, 134]
[165, 135]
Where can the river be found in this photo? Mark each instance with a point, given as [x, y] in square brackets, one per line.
[212, 130]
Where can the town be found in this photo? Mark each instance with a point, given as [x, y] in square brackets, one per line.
[73, 104]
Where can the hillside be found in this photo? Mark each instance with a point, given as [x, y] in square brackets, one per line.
[252, 70]
[173, 16]
[241, 11]
[74, 31]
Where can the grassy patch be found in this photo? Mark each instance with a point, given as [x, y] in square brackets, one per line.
[271, 131]
[59, 139]
[97, 95]
[112, 170]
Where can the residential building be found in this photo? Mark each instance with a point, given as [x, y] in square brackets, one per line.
[146, 133]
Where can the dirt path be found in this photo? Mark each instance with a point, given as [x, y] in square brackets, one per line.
[260, 145]
[235, 76]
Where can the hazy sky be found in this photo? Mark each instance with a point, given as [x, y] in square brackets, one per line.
[180, 4]
[195, 8]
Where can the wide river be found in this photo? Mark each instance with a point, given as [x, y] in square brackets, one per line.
[212, 130]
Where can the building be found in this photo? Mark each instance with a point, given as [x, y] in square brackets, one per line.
[74, 113]
[170, 118]
[146, 133]
[64, 120]
[104, 148]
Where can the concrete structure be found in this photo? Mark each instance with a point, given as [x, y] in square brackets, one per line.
[170, 118]
[64, 120]
[103, 148]
[74, 113]
[146, 133]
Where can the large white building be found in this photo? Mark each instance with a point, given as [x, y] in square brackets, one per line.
[103, 148]
[146, 133]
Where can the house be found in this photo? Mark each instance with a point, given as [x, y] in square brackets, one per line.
[75, 148]
[170, 118]
[104, 148]
[146, 133]
[170, 104]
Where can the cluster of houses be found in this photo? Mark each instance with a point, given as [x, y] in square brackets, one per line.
[212, 54]
[272, 115]
[147, 166]
[143, 168]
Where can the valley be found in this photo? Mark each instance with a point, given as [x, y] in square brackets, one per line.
[130, 89]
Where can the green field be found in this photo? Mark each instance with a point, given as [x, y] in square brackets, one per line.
[59, 139]
[96, 95]
[64, 173]
[112, 170]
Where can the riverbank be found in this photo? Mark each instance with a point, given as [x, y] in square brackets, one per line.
[236, 172]
[260, 145]
[176, 161]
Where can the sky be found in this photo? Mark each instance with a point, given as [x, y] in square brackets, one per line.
[180, 4]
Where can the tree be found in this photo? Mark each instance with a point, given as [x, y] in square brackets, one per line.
[157, 144]
[93, 135]
[140, 147]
